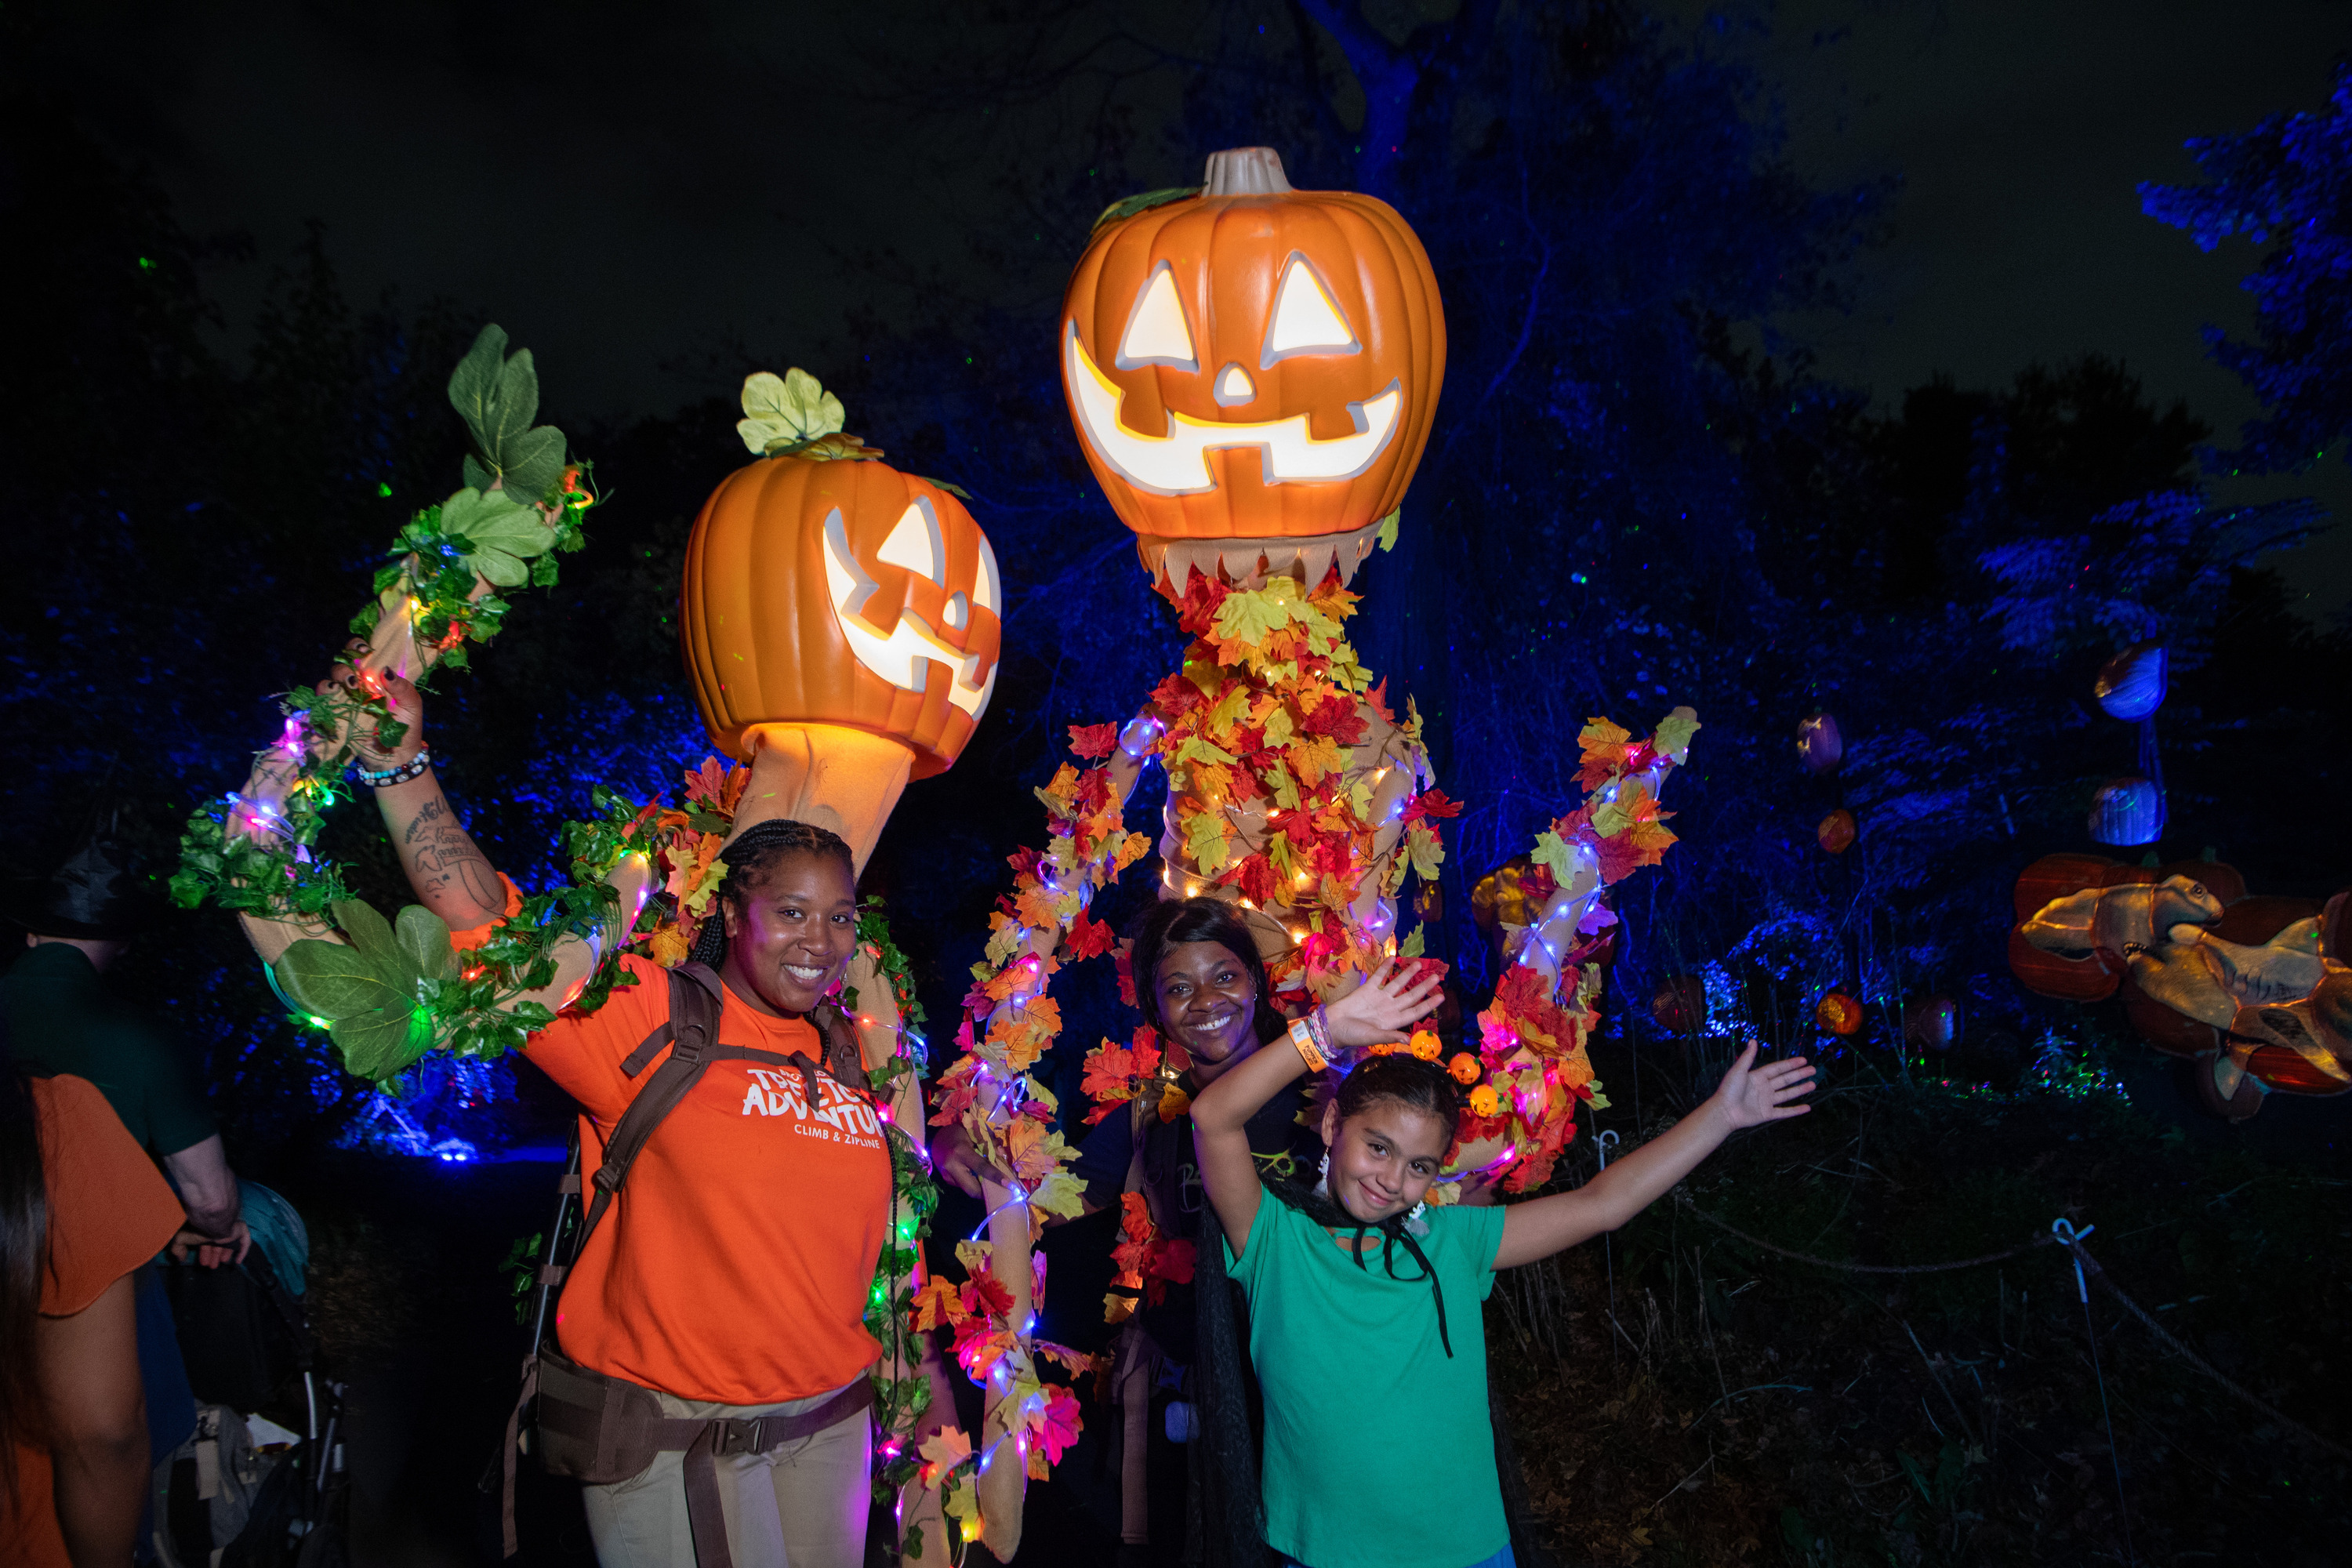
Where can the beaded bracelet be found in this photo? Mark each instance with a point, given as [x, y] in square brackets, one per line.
[414, 767]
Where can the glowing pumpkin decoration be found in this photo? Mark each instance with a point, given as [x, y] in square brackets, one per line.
[843, 594]
[1254, 366]
[1838, 1013]
[2131, 685]
[1838, 831]
[1820, 746]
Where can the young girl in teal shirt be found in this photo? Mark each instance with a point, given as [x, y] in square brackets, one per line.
[1365, 1322]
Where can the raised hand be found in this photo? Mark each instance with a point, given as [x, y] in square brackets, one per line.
[955, 1160]
[1750, 1095]
[399, 694]
[1390, 1001]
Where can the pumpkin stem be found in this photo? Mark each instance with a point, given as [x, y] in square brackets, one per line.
[1246, 171]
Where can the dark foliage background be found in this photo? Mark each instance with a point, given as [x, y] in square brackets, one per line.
[1638, 496]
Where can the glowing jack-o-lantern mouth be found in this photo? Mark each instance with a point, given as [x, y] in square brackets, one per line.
[904, 654]
[1176, 462]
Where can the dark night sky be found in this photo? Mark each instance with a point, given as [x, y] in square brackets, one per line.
[2020, 130]
[630, 189]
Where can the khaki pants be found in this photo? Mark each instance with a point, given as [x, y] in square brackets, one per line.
[800, 1506]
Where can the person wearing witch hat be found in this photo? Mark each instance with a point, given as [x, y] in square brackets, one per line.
[78, 918]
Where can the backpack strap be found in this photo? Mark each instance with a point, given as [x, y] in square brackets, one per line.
[693, 1030]
[845, 1053]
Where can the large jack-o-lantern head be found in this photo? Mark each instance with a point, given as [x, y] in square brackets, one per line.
[841, 593]
[1257, 366]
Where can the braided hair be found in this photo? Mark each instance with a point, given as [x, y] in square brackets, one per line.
[1224, 1507]
[1420, 1086]
[756, 850]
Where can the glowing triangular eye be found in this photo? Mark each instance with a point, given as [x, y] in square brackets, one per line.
[987, 592]
[1305, 320]
[1156, 332]
[915, 543]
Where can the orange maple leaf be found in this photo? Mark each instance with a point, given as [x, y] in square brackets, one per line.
[936, 1303]
[1604, 752]
[669, 944]
[1035, 907]
[1110, 1072]
[1335, 600]
[1313, 758]
[1061, 796]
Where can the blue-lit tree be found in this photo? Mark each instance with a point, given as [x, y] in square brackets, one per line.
[2286, 187]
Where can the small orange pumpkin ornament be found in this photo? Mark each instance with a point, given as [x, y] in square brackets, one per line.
[1838, 831]
[1680, 1003]
[1838, 1013]
[825, 587]
[1255, 366]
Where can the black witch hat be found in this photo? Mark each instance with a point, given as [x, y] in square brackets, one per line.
[102, 889]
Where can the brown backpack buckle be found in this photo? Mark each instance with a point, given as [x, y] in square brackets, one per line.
[737, 1436]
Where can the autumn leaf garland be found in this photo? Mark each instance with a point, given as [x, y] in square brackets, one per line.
[1532, 1035]
[1263, 717]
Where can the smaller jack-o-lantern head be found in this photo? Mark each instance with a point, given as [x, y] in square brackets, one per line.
[1253, 370]
[840, 592]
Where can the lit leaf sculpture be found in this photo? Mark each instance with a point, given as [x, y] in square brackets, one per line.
[1252, 372]
[2256, 989]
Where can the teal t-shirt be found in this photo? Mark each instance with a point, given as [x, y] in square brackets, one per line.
[1379, 1449]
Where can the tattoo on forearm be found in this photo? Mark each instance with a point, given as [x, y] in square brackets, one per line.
[444, 862]
[448, 860]
[435, 809]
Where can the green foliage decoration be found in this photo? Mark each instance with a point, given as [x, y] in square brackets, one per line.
[496, 394]
[1126, 207]
[390, 991]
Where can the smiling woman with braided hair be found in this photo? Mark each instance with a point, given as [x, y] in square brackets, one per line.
[719, 1300]
[731, 1276]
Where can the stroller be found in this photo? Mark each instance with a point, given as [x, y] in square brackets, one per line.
[261, 1483]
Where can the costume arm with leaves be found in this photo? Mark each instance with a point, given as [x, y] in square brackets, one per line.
[1007, 1117]
[390, 991]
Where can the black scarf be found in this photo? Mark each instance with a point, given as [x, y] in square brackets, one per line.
[1317, 1205]
[1227, 1527]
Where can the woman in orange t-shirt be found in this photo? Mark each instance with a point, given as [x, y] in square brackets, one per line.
[81, 1207]
[731, 1275]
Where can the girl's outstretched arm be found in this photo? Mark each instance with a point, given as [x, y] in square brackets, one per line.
[1748, 1095]
[1378, 1010]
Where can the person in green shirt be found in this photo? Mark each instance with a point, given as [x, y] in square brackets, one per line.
[1364, 1321]
[80, 919]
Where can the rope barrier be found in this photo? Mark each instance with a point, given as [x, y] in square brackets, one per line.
[2063, 1229]
[2086, 1267]
[2090, 1266]
[1757, 1241]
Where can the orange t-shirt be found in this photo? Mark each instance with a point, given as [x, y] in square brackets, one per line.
[735, 1263]
[110, 1211]
[473, 937]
